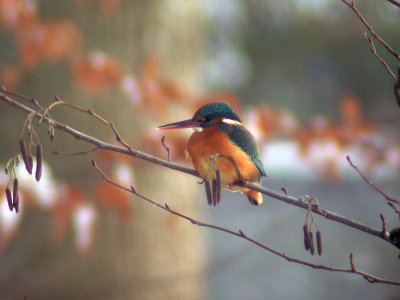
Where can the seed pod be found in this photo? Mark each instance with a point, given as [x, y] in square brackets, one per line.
[9, 199]
[16, 204]
[218, 186]
[312, 250]
[30, 162]
[15, 189]
[214, 192]
[319, 243]
[306, 237]
[39, 158]
[25, 158]
[208, 192]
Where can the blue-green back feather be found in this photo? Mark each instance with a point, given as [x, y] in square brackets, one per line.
[245, 141]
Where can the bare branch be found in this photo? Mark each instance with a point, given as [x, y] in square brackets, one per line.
[394, 208]
[166, 148]
[29, 100]
[241, 234]
[352, 267]
[353, 7]
[311, 205]
[318, 210]
[369, 182]
[92, 140]
[383, 224]
[373, 51]
[76, 153]
[144, 156]
[394, 2]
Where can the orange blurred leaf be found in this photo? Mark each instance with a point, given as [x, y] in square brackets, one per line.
[115, 199]
[96, 73]
[9, 76]
[69, 198]
[61, 39]
[350, 108]
[16, 14]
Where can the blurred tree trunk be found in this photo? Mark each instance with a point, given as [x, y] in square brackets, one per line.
[153, 255]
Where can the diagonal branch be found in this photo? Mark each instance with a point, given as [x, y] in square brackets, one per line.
[92, 140]
[373, 51]
[369, 182]
[147, 157]
[353, 7]
[394, 2]
[370, 278]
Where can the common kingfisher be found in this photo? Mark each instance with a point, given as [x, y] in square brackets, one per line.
[220, 141]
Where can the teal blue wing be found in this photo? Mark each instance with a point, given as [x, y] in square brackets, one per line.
[245, 140]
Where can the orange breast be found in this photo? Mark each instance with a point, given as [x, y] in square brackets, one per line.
[202, 146]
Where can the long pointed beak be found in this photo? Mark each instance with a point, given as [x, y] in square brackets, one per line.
[181, 124]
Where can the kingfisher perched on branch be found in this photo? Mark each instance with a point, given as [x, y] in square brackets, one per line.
[222, 147]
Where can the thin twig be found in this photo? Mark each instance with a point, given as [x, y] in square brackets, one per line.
[76, 153]
[370, 29]
[383, 224]
[94, 141]
[166, 148]
[373, 51]
[318, 210]
[29, 100]
[369, 182]
[352, 267]
[241, 234]
[394, 208]
[92, 113]
[394, 2]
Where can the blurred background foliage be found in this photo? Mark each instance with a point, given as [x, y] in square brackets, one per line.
[298, 71]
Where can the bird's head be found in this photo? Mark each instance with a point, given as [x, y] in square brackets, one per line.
[208, 114]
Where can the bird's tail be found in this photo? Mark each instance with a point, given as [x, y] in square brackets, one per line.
[254, 197]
